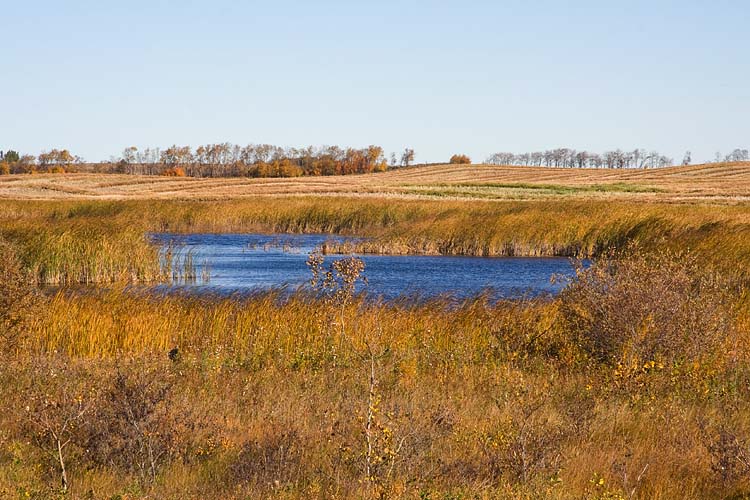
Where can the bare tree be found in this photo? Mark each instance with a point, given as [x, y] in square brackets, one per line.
[687, 159]
[407, 157]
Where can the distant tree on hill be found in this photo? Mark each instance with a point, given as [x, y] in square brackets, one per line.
[58, 160]
[738, 155]
[460, 160]
[6, 159]
[130, 154]
[407, 157]
[10, 156]
[570, 158]
[25, 164]
[687, 159]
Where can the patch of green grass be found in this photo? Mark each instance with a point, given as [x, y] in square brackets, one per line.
[558, 189]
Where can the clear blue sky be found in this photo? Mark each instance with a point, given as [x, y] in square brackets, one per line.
[442, 77]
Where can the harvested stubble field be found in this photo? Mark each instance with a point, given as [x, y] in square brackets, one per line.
[634, 383]
[716, 183]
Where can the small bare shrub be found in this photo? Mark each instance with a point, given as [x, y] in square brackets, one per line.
[730, 455]
[60, 401]
[529, 442]
[337, 282]
[134, 431]
[273, 459]
[140, 427]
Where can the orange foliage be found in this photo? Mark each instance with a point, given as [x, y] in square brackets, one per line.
[174, 172]
[460, 160]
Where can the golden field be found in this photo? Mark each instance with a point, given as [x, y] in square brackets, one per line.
[713, 183]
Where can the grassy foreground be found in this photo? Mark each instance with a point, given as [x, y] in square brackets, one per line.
[631, 384]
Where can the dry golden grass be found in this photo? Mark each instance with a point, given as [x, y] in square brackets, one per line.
[270, 398]
[725, 183]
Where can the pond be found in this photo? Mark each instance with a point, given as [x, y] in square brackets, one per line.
[229, 263]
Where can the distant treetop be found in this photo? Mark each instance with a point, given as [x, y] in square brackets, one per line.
[460, 160]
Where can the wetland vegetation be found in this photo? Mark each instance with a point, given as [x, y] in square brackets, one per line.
[631, 383]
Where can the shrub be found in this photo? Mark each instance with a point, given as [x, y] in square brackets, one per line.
[140, 427]
[4, 168]
[174, 172]
[276, 456]
[286, 168]
[527, 445]
[60, 399]
[730, 455]
[637, 308]
[460, 160]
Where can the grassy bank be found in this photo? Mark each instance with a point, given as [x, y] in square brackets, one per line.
[97, 241]
[631, 384]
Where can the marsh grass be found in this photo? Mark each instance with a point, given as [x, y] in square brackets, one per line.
[85, 253]
[104, 242]
[473, 399]
[177, 266]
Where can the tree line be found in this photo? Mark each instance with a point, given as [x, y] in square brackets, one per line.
[571, 158]
[218, 160]
[256, 160]
[53, 161]
[736, 155]
[265, 160]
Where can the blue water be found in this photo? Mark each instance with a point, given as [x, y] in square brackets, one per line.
[254, 262]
